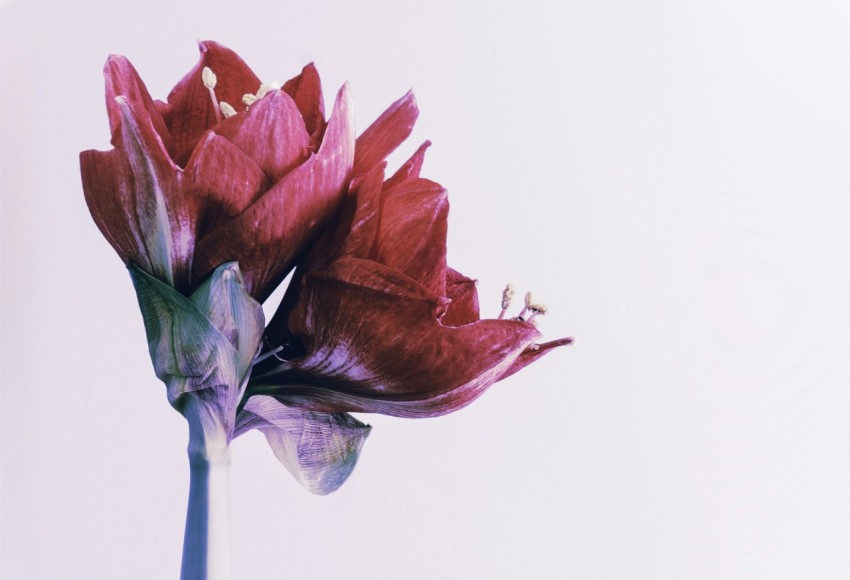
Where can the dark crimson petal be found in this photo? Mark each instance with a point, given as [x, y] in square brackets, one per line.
[385, 134]
[410, 169]
[533, 353]
[123, 80]
[135, 196]
[464, 306]
[190, 111]
[412, 232]
[222, 181]
[271, 133]
[373, 348]
[306, 90]
[267, 237]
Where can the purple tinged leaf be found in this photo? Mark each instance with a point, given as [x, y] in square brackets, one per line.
[319, 449]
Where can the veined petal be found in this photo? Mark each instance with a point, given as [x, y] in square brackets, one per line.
[123, 80]
[271, 133]
[222, 181]
[386, 133]
[464, 306]
[374, 349]
[532, 353]
[190, 110]
[267, 237]
[412, 232]
[223, 300]
[306, 90]
[410, 169]
[319, 449]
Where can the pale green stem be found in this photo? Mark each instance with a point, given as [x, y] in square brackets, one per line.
[206, 543]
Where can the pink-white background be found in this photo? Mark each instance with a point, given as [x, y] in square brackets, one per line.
[671, 177]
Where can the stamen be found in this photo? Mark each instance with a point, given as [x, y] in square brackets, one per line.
[248, 99]
[226, 109]
[537, 309]
[265, 88]
[209, 79]
[507, 298]
[529, 299]
[260, 358]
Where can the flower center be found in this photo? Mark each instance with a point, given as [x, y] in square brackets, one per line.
[225, 109]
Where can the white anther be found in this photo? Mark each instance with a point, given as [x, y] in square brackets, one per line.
[226, 109]
[208, 76]
[265, 88]
[538, 308]
[249, 99]
[529, 298]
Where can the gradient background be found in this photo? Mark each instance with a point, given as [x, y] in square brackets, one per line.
[671, 177]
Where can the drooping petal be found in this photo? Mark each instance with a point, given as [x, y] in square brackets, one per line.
[190, 110]
[412, 232]
[532, 353]
[306, 90]
[385, 134]
[372, 348]
[123, 80]
[223, 300]
[319, 449]
[222, 181]
[271, 133]
[464, 306]
[267, 237]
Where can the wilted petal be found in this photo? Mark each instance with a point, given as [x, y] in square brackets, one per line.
[123, 80]
[190, 110]
[271, 133]
[222, 181]
[464, 306]
[306, 90]
[188, 352]
[223, 300]
[371, 348]
[267, 237]
[319, 449]
[386, 133]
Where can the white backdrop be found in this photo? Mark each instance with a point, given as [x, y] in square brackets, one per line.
[672, 178]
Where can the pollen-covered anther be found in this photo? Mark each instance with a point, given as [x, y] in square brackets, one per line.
[507, 298]
[208, 77]
[266, 88]
[537, 309]
[226, 109]
[249, 99]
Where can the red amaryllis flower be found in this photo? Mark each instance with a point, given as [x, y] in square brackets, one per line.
[375, 321]
[228, 169]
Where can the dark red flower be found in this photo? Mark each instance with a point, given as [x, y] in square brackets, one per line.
[375, 320]
[226, 170]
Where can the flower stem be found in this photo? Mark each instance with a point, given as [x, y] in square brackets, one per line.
[206, 542]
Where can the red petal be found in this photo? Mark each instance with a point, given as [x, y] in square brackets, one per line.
[271, 133]
[533, 353]
[306, 90]
[412, 234]
[190, 111]
[410, 169]
[464, 306]
[385, 134]
[222, 181]
[123, 80]
[374, 345]
[135, 196]
[274, 230]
